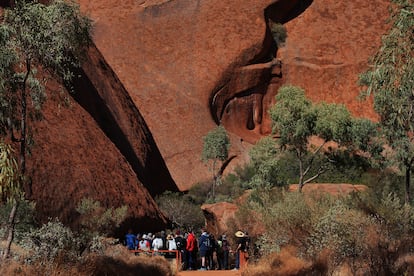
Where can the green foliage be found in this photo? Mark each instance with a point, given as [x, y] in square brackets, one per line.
[279, 33]
[287, 217]
[24, 221]
[180, 210]
[97, 220]
[10, 181]
[35, 36]
[296, 120]
[368, 232]
[341, 231]
[292, 117]
[333, 122]
[52, 35]
[264, 158]
[50, 241]
[240, 179]
[390, 80]
[198, 193]
[215, 149]
[216, 145]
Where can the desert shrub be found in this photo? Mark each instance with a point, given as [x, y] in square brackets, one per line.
[198, 193]
[279, 33]
[24, 221]
[126, 264]
[180, 210]
[96, 220]
[345, 167]
[342, 232]
[51, 240]
[287, 218]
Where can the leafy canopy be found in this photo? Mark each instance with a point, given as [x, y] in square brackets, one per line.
[216, 145]
[35, 36]
[296, 119]
[391, 81]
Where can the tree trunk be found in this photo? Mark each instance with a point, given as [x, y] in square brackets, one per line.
[301, 173]
[23, 128]
[407, 184]
[10, 229]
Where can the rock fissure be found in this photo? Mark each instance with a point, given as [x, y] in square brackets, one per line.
[248, 84]
[109, 104]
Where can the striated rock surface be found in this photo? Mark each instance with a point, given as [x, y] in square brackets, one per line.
[328, 46]
[171, 56]
[218, 216]
[96, 146]
[190, 64]
[186, 65]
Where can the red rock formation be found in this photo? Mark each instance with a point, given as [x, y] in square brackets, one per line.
[187, 64]
[88, 165]
[218, 215]
[95, 145]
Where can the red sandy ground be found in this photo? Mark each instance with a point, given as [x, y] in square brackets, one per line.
[211, 273]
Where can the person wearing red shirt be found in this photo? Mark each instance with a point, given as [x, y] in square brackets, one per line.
[191, 250]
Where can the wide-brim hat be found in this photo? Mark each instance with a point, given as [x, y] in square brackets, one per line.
[239, 234]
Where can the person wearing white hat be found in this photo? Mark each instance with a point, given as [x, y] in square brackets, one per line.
[144, 243]
[241, 245]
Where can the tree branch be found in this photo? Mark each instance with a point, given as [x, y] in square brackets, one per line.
[320, 171]
[313, 157]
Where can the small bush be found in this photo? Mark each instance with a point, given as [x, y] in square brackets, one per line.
[180, 210]
[279, 33]
[24, 221]
[97, 219]
[51, 240]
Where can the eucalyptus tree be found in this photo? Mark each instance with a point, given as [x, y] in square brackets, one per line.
[215, 152]
[37, 40]
[295, 119]
[391, 81]
[10, 190]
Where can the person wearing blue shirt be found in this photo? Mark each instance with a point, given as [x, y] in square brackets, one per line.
[204, 246]
[130, 240]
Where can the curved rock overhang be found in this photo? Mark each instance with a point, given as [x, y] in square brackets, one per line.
[242, 89]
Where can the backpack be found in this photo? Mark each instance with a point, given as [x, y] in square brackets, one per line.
[180, 242]
[207, 242]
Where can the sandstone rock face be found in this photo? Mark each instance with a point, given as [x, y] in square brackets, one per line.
[186, 65]
[171, 55]
[95, 145]
[218, 215]
[190, 64]
[105, 152]
[328, 46]
[74, 159]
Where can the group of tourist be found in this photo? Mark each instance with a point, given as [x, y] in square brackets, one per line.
[204, 252]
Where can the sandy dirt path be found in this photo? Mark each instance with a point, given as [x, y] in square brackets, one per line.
[210, 273]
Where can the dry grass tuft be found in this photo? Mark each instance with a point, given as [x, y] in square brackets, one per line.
[284, 263]
[116, 260]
